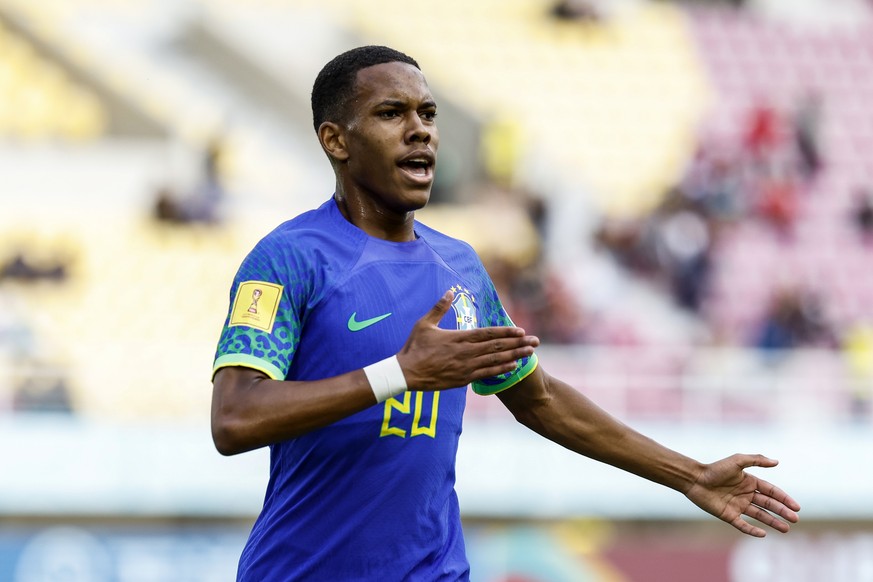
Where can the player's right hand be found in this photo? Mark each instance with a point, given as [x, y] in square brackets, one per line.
[434, 358]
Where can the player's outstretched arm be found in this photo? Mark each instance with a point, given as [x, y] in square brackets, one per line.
[251, 410]
[564, 415]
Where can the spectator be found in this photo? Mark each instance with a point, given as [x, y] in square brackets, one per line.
[684, 250]
[862, 213]
[763, 131]
[43, 389]
[777, 200]
[23, 268]
[807, 130]
[204, 203]
[714, 183]
[794, 319]
[858, 352]
[627, 240]
[575, 10]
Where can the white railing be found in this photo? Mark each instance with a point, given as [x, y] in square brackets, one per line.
[661, 384]
[710, 385]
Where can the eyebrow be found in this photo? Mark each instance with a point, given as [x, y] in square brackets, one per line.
[430, 103]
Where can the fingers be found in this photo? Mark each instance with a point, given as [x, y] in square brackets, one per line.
[484, 334]
[746, 461]
[478, 335]
[747, 528]
[436, 358]
[769, 496]
[767, 518]
[762, 516]
[492, 371]
[498, 363]
[773, 507]
[774, 499]
[441, 307]
[779, 495]
[484, 362]
[492, 340]
[768, 505]
[509, 354]
[525, 342]
[739, 494]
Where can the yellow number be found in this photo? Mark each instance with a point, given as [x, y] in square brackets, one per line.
[403, 407]
[434, 410]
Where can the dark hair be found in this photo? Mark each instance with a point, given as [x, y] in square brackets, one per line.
[335, 84]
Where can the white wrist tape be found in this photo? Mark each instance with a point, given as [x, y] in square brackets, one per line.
[386, 378]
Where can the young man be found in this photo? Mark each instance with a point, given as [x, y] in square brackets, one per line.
[352, 334]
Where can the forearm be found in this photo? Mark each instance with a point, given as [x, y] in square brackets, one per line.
[250, 410]
[562, 414]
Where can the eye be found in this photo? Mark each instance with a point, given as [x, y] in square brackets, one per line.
[429, 115]
[389, 114]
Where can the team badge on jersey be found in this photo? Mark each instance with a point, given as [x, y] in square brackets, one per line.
[256, 304]
[465, 308]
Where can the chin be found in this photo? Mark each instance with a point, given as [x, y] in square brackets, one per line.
[416, 200]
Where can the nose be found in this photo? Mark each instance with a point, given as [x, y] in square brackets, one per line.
[417, 131]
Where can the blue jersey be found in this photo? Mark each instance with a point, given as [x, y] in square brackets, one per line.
[370, 497]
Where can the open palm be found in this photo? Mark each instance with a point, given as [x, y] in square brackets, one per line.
[725, 490]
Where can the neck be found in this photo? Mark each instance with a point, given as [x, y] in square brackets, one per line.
[375, 220]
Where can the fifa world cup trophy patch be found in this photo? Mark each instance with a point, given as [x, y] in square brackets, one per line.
[256, 304]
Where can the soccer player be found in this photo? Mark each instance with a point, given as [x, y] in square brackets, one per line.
[352, 334]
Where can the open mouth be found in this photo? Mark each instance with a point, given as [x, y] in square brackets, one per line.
[418, 167]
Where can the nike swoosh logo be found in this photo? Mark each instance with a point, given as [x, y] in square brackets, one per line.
[355, 325]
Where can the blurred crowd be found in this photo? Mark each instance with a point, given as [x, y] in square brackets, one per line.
[762, 175]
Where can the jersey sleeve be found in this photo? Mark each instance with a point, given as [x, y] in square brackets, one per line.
[492, 313]
[262, 327]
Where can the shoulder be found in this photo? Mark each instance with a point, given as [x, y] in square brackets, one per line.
[445, 244]
[312, 224]
[312, 234]
[458, 255]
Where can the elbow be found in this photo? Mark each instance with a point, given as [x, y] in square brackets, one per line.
[229, 435]
[231, 423]
[531, 418]
[532, 409]
[225, 439]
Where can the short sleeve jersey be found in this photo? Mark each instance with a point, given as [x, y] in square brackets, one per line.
[370, 497]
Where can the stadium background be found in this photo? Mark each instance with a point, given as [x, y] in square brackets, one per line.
[672, 194]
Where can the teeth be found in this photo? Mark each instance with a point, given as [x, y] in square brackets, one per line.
[417, 167]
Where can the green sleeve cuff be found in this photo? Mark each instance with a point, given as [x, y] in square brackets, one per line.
[248, 361]
[486, 389]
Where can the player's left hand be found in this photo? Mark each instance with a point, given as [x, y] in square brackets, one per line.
[726, 491]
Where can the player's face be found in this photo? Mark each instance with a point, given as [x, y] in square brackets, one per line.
[391, 138]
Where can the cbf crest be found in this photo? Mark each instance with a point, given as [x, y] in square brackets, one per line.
[464, 306]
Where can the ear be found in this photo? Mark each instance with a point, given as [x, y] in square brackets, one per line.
[333, 141]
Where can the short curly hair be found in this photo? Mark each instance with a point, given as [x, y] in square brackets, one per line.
[335, 84]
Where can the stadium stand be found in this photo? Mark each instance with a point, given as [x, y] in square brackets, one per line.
[749, 61]
[40, 100]
[631, 88]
